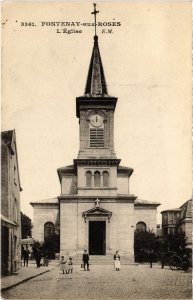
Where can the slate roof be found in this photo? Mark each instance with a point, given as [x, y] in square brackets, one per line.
[186, 210]
[45, 201]
[172, 209]
[96, 83]
[6, 137]
[145, 202]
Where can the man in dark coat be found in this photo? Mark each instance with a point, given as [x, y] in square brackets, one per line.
[185, 263]
[150, 257]
[85, 259]
[37, 256]
[26, 256]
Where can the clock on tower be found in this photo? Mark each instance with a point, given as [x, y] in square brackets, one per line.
[96, 120]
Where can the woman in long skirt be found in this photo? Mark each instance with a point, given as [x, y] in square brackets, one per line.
[117, 261]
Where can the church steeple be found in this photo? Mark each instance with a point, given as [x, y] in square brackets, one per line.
[96, 84]
[95, 110]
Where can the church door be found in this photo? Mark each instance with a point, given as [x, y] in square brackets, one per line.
[97, 237]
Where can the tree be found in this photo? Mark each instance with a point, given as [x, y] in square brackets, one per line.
[37, 251]
[176, 242]
[51, 245]
[26, 226]
[144, 241]
[167, 245]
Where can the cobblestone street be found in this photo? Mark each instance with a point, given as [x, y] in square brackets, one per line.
[102, 282]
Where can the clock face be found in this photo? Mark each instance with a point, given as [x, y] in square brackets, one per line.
[96, 120]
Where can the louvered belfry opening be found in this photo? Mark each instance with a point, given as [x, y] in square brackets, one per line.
[96, 137]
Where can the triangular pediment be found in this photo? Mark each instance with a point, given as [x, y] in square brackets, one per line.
[97, 211]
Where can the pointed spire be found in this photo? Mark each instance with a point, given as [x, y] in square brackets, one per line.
[96, 84]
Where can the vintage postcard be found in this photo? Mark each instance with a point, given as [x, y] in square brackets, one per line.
[96, 150]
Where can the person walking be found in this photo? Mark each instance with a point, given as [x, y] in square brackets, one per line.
[63, 266]
[162, 259]
[70, 265]
[25, 257]
[117, 259]
[150, 257]
[185, 263]
[85, 259]
[38, 256]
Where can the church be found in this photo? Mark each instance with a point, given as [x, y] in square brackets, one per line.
[95, 210]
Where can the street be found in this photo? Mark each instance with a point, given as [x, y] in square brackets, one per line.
[102, 282]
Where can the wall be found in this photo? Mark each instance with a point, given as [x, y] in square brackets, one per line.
[4, 180]
[74, 231]
[146, 215]
[68, 228]
[69, 185]
[42, 214]
[111, 190]
[188, 231]
[10, 199]
[85, 150]
[15, 207]
[123, 184]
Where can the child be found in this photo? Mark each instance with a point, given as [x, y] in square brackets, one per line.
[70, 265]
[63, 266]
[45, 261]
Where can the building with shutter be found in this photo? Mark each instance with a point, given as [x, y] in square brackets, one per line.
[10, 205]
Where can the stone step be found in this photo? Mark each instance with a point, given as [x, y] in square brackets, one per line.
[103, 260]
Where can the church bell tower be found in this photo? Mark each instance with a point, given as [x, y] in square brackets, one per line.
[95, 110]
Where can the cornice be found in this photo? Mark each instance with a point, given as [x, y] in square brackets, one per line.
[97, 188]
[70, 171]
[91, 98]
[89, 101]
[97, 162]
[91, 199]
[169, 225]
[145, 206]
[184, 221]
[44, 205]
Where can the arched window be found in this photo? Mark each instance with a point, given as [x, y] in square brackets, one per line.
[49, 229]
[105, 178]
[88, 178]
[97, 179]
[141, 226]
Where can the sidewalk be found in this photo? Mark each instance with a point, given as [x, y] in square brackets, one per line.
[25, 273]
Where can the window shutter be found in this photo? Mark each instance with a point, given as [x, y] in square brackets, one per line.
[96, 137]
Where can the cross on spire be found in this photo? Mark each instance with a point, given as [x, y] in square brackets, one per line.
[96, 83]
[94, 13]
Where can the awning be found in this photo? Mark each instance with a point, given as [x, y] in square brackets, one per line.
[28, 241]
[7, 223]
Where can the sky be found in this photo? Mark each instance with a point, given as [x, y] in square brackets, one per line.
[147, 65]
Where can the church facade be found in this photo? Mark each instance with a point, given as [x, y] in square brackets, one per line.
[95, 210]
